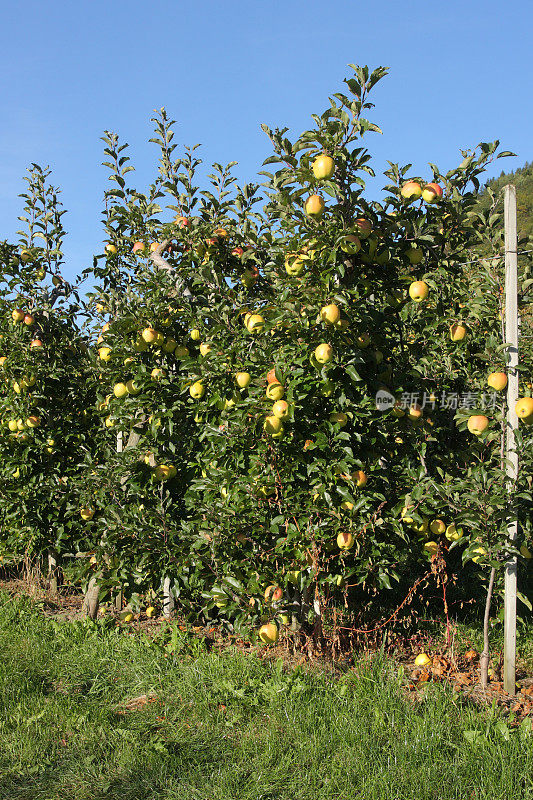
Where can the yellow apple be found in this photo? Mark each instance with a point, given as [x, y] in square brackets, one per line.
[524, 408]
[17, 315]
[480, 553]
[457, 332]
[324, 353]
[205, 348]
[273, 425]
[411, 190]
[195, 335]
[339, 418]
[275, 391]
[197, 390]
[104, 353]
[120, 390]
[418, 291]
[242, 379]
[149, 335]
[345, 540]
[157, 374]
[280, 409]
[431, 193]
[269, 633]
[330, 314]
[350, 244]
[415, 255]
[477, 424]
[422, 660]
[150, 612]
[132, 387]
[33, 421]
[255, 323]
[453, 534]
[12, 425]
[497, 381]
[314, 206]
[431, 548]
[86, 513]
[323, 167]
[437, 527]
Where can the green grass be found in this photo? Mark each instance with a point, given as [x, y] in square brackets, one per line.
[295, 735]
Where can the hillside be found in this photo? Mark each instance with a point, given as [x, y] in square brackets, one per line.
[523, 180]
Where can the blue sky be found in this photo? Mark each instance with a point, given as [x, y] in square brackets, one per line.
[459, 74]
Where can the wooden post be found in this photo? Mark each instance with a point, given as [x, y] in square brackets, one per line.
[52, 571]
[511, 336]
[168, 600]
[119, 596]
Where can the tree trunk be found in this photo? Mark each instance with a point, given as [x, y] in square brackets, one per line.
[485, 655]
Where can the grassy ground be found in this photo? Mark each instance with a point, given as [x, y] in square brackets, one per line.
[231, 726]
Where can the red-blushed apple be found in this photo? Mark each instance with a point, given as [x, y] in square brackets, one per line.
[415, 412]
[182, 222]
[281, 409]
[273, 593]
[314, 206]
[418, 291]
[33, 421]
[330, 314]
[36, 343]
[497, 381]
[432, 193]
[323, 167]
[359, 478]
[29, 320]
[111, 248]
[220, 233]
[364, 227]
[350, 244]
[138, 248]
[411, 190]
[271, 376]
[323, 353]
[269, 633]
[457, 332]
[477, 423]
[237, 252]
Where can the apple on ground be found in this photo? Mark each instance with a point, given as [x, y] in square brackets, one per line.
[422, 660]
[269, 633]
